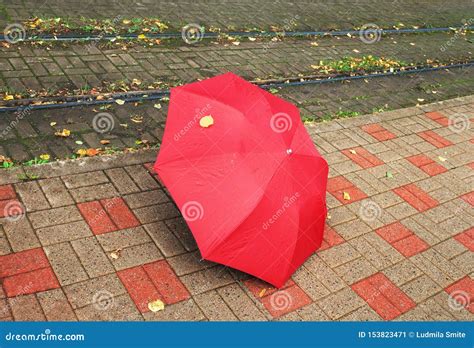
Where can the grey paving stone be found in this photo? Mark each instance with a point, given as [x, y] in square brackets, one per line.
[92, 257]
[65, 263]
[55, 192]
[63, 233]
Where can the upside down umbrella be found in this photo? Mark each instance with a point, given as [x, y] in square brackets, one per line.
[245, 175]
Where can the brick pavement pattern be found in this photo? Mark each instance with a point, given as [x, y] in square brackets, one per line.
[99, 238]
[84, 66]
[307, 15]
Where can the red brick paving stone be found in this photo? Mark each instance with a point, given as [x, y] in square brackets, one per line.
[330, 238]
[394, 232]
[402, 239]
[469, 198]
[435, 139]
[463, 290]
[140, 287]
[438, 118]
[285, 301]
[416, 197]
[378, 132]
[119, 212]
[466, 238]
[7, 192]
[362, 157]
[6, 211]
[427, 165]
[410, 246]
[338, 185]
[30, 282]
[383, 296]
[96, 217]
[166, 282]
[257, 287]
[23, 261]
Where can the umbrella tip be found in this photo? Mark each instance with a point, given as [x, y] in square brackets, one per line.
[289, 151]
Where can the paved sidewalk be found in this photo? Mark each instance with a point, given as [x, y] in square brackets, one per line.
[99, 239]
[316, 14]
[30, 134]
[82, 66]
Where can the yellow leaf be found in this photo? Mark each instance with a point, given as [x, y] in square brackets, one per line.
[8, 97]
[115, 254]
[156, 306]
[64, 133]
[442, 159]
[136, 82]
[141, 37]
[347, 196]
[45, 157]
[157, 106]
[120, 101]
[52, 124]
[252, 39]
[206, 121]
[82, 152]
[126, 21]
[136, 119]
[353, 152]
[262, 293]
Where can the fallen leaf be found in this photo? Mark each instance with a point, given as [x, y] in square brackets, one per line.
[52, 124]
[105, 142]
[262, 293]
[314, 43]
[78, 142]
[156, 306]
[442, 159]
[353, 152]
[82, 152]
[157, 106]
[206, 121]
[420, 100]
[120, 101]
[126, 21]
[236, 43]
[389, 174]
[92, 152]
[346, 196]
[115, 254]
[136, 119]
[141, 37]
[45, 157]
[8, 97]
[64, 133]
[356, 51]
[252, 39]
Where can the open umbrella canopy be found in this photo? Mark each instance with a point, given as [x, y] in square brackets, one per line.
[245, 175]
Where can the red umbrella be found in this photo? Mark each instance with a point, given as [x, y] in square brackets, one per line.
[245, 175]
